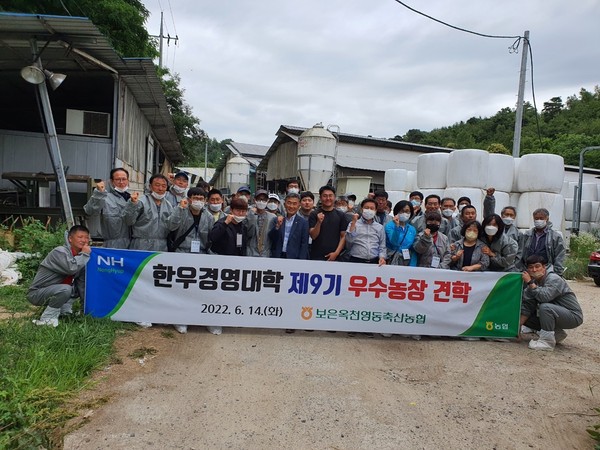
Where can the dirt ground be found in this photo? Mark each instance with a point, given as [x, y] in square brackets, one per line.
[264, 389]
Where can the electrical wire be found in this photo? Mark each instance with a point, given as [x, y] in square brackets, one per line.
[514, 48]
[455, 27]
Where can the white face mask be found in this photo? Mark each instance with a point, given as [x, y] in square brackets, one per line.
[239, 219]
[197, 205]
[215, 207]
[179, 189]
[415, 202]
[121, 190]
[460, 207]
[491, 230]
[293, 191]
[350, 204]
[448, 212]
[272, 206]
[158, 196]
[342, 208]
[403, 217]
[508, 220]
[368, 214]
[245, 197]
[540, 224]
[261, 204]
[472, 235]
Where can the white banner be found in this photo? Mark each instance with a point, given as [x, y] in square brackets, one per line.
[178, 288]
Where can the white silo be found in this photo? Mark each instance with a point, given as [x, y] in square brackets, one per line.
[238, 173]
[316, 157]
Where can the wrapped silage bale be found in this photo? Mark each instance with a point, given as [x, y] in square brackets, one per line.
[595, 217]
[411, 181]
[586, 211]
[396, 180]
[431, 170]
[541, 172]
[515, 186]
[476, 196]
[427, 192]
[396, 196]
[565, 191]
[569, 202]
[514, 199]
[501, 170]
[530, 201]
[589, 191]
[502, 200]
[572, 188]
[468, 168]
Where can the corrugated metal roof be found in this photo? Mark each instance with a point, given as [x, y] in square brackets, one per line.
[242, 149]
[72, 44]
[288, 133]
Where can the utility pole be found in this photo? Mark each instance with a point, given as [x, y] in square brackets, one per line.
[522, 79]
[161, 37]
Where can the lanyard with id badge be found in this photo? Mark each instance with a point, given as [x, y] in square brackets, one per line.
[435, 259]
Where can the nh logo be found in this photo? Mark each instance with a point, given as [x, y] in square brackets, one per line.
[110, 261]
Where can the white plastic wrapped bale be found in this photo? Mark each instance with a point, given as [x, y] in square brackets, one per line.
[502, 200]
[6, 260]
[586, 211]
[396, 196]
[427, 192]
[584, 227]
[541, 172]
[589, 191]
[431, 170]
[569, 209]
[567, 190]
[515, 185]
[595, 216]
[530, 201]
[476, 196]
[411, 181]
[468, 168]
[501, 172]
[572, 187]
[514, 199]
[396, 180]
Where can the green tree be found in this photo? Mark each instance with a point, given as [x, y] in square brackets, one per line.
[552, 108]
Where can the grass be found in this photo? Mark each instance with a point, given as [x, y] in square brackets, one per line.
[581, 247]
[42, 368]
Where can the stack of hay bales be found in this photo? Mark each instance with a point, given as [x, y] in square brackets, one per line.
[540, 182]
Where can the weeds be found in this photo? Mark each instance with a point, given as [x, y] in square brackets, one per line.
[581, 247]
[142, 352]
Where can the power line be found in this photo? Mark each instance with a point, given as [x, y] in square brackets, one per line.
[454, 26]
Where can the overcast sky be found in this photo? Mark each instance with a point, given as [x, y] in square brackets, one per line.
[372, 67]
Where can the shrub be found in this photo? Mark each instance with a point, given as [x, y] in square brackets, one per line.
[580, 248]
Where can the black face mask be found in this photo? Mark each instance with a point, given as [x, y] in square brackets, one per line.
[433, 227]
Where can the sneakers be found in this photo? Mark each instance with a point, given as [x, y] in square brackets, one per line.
[545, 342]
[67, 308]
[48, 322]
[144, 324]
[560, 335]
[181, 328]
[215, 330]
[527, 330]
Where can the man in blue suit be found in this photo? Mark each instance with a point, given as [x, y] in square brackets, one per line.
[290, 234]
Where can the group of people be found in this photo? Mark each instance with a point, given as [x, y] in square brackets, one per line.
[431, 232]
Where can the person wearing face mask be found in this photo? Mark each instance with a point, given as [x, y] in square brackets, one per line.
[352, 206]
[543, 241]
[215, 205]
[178, 189]
[416, 199]
[341, 204]
[508, 214]
[264, 220]
[468, 254]
[400, 236]
[549, 305]
[108, 203]
[273, 204]
[292, 187]
[450, 213]
[194, 224]
[467, 214]
[233, 235]
[432, 247]
[151, 217]
[365, 238]
[501, 249]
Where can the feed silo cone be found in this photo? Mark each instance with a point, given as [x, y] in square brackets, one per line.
[316, 157]
[238, 173]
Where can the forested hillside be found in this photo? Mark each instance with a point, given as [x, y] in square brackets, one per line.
[564, 129]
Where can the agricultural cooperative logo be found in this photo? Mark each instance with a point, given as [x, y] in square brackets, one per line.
[109, 264]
